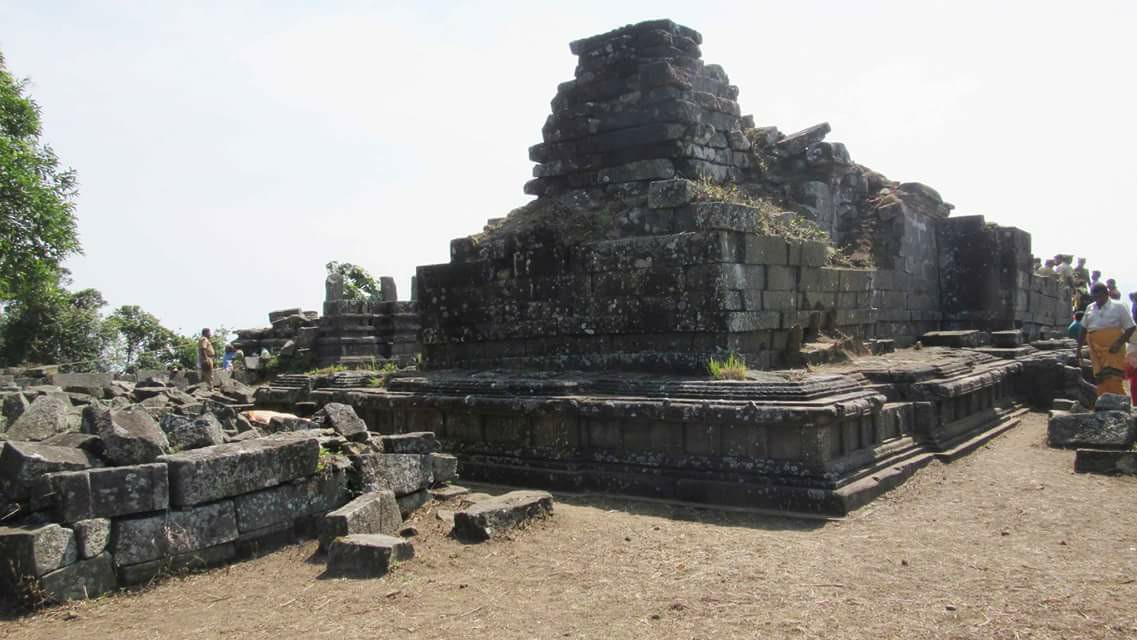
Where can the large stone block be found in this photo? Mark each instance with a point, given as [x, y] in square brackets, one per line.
[445, 467]
[279, 504]
[488, 517]
[367, 555]
[32, 551]
[92, 536]
[84, 579]
[130, 436]
[14, 406]
[1105, 461]
[226, 470]
[145, 538]
[144, 572]
[46, 416]
[1098, 429]
[343, 419]
[109, 492]
[421, 442]
[411, 502]
[185, 433]
[403, 473]
[375, 512]
[22, 463]
[1113, 402]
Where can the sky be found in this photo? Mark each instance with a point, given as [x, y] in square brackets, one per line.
[227, 150]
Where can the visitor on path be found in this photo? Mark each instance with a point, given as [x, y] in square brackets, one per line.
[205, 355]
[228, 357]
[1075, 328]
[1065, 269]
[1082, 276]
[1108, 325]
[1095, 278]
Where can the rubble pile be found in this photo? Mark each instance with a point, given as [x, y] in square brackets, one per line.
[106, 483]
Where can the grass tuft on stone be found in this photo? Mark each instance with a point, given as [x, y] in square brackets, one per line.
[732, 368]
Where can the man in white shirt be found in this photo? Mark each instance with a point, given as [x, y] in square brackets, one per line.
[1108, 326]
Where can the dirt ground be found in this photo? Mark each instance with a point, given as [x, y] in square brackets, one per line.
[1005, 543]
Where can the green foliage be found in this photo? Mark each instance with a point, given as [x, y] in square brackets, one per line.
[326, 371]
[733, 368]
[142, 342]
[358, 284]
[37, 201]
[772, 219]
[390, 367]
[55, 327]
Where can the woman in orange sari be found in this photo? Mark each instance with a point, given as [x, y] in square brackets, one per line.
[1108, 326]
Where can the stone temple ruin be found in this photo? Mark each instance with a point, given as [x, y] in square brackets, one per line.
[565, 346]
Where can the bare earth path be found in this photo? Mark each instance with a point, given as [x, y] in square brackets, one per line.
[1006, 543]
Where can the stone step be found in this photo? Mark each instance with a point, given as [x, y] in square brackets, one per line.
[367, 555]
[488, 518]
[374, 512]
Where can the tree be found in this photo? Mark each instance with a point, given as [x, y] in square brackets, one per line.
[37, 200]
[141, 342]
[55, 327]
[358, 284]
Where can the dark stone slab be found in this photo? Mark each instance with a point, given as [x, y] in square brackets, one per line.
[45, 417]
[1107, 461]
[1113, 402]
[375, 512]
[186, 433]
[445, 467]
[85, 579]
[487, 518]
[226, 470]
[92, 536]
[109, 492]
[139, 539]
[1100, 429]
[367, 555]
[421, 442]
[1007, 339]
[22, 463]
[32, 551]
[130, 436]
[343, 419]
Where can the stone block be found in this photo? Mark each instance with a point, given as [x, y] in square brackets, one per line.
[1007, 339]
[448, 492]
[1065, 404]
[227, 470]
[403, 473]
[766, 250]
[109, 492]
[423, 442]
[92, 536]
[958, 339]
[46, 416]
[28, 552]
[88, 578]
[200, 559]
[186, 433]
[375, 512]
[814, 253]
[1099, 429]
[445, 467]
[343, 419]
[139, 539]
[489, 517]
[781, 278]
[1105, 461]
[272, 506]
[130, 436]
[665, 194]
[409, 503]
[23, 463]
[1113, 402]
[367, 555]
[15, 404]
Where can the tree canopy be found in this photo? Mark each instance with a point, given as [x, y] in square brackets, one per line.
[37, 199]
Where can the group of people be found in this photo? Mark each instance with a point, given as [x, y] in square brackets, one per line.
[1101, 321]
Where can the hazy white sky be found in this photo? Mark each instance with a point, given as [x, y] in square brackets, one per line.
[227, 150]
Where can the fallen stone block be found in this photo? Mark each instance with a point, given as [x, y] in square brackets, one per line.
[1007, 339]
[403, 473]
[15, 404]
[92, 536]
[444, 466]
[1113, 402]
[226, 470]
[22, 464]
[46, 416]
[421, 442]
[85, 579]
[375, 512]
[367, 555]
[32, 551]
[279, 424]
[1105, 461]
[485, 519]
[343, 419]
[409, 503]
[237, 391]
[185, 433]
[130, 436]
[138, 539]
[1116, 429]
[107, 492]
[75, 440]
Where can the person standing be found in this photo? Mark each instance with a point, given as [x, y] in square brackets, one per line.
[1114, 292]
[1108, 325]
[205, 355]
